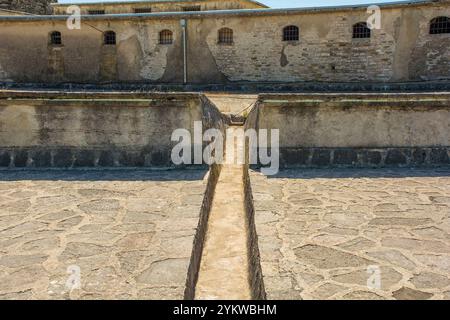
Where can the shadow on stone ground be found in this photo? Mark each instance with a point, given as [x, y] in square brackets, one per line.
[92, 174]
[299, 173]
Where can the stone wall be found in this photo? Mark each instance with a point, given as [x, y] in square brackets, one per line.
[30, 6]
[90, 130]
[401, 51]
[161, 6]
[257, 288]
[327, 52]
[358, 130]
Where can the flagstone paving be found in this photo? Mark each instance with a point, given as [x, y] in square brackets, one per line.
[324, 233]
[130, 233]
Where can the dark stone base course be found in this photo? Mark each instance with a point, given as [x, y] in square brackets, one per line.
[362, 157]
[289, 157]
[78, 158]
[249, 87]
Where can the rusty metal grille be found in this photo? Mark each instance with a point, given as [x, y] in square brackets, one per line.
[225, 36]
[166, 37]
[192, 8]
[110, 38]
[440, 25]
[142, 10]
[291, 33]
[361, 31]
[55, 38]
[93, 12]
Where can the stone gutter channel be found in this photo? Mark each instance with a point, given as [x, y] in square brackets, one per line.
[225, 263]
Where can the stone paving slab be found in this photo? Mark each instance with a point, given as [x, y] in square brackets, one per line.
[324, 233]
[130, 232]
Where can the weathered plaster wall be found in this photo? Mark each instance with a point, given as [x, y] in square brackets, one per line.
[402, 50]
[96, 129]
[163, 6]
[327, 52]
[358, 129]
[394, 120]
[137, 56]
[30, 6]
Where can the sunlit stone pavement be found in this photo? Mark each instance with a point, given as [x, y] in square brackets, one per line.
[129, 232]
[324, 233]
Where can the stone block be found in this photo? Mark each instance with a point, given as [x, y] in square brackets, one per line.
[293, 157]
[396, 157]
[63, 158]
[345, 157]
[131, 159]
[5, 159]
[42, 158]
[20, 158]
[419, 156]
[439, 156]
[106, 158]
[374, 158]
[321, 157]
[85, 158]
[160, 158]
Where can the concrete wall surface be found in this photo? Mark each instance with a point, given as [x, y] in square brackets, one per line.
[77, 129]
[357, 129]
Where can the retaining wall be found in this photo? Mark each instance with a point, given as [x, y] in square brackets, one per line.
[50, 129]
[357, 129]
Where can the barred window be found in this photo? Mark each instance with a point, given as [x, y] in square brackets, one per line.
[166, 37]
[110, 38]
[55, 38]
[361, 31]
[192, 8]
[291, 33]
[440, 25]
[96, 12]
[142, 10]
[225, 36]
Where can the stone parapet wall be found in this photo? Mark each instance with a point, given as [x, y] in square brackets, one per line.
[96, 130]
[256, 276]
[364, 157]
[357, 130]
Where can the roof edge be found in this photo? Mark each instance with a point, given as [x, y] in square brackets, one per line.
[136, 2]
[212, 13]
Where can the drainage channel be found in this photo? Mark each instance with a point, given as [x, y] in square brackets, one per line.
[229, 265]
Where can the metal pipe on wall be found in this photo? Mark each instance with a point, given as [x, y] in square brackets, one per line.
[183, 26]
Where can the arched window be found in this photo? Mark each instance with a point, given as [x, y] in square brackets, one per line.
[361, 31]
[291, 33]
[225, 36]
[55, 38]
[109, 38]
[166, 37]
[440, 25]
